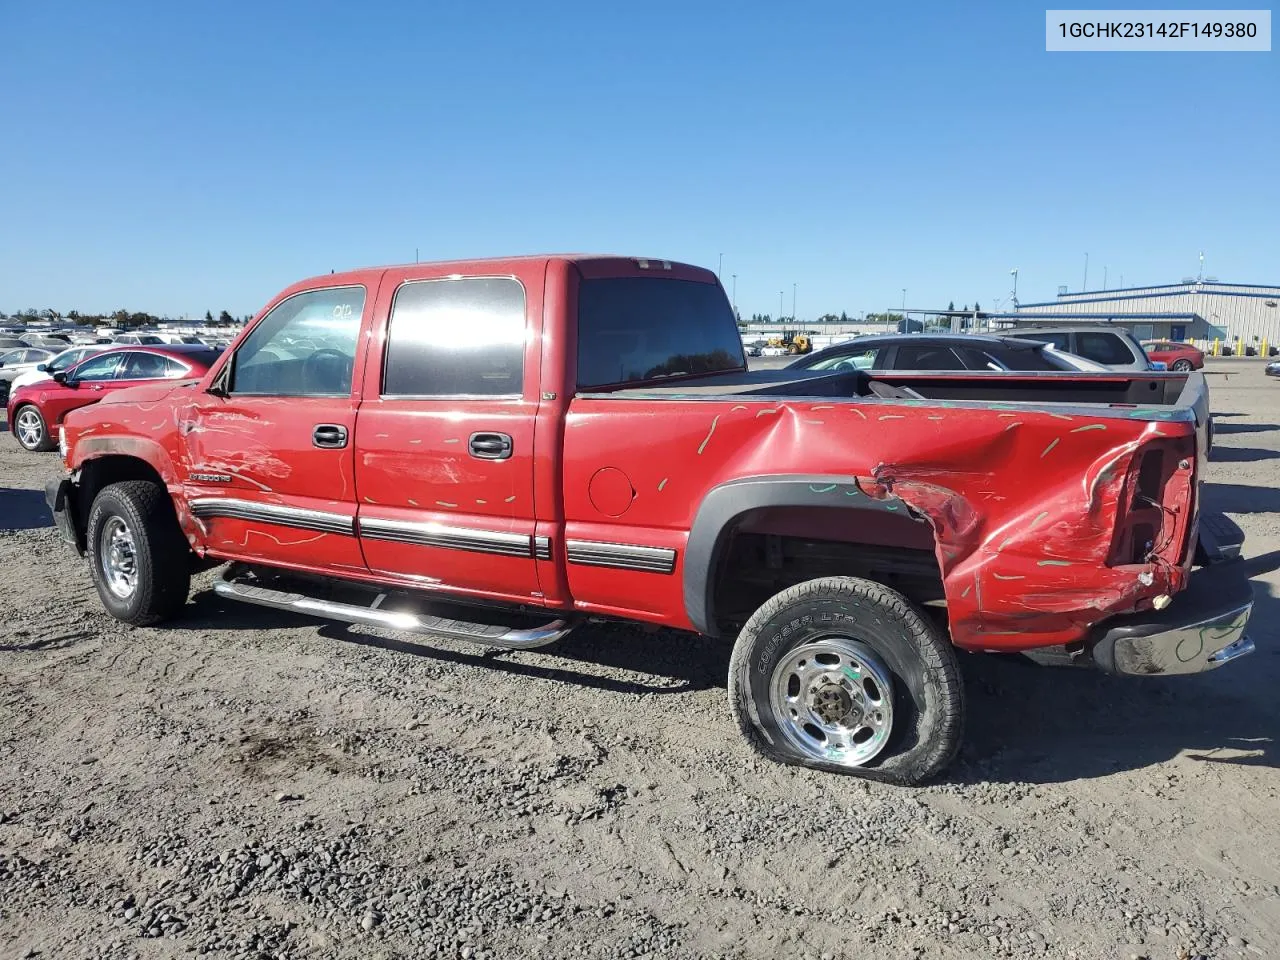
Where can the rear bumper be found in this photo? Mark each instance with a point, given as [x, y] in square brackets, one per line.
[1202, 629]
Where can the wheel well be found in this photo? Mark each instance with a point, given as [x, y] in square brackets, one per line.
[101, 472]
[766, 551]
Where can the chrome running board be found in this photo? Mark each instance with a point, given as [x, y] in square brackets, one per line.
[489, 635]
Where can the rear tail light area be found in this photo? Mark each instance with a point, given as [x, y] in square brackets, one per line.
[1156, 504]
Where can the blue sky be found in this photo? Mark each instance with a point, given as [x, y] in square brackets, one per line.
[182, 157]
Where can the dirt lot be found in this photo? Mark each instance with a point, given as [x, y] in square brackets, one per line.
[244, 784]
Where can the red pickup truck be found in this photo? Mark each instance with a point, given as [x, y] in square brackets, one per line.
[499, 450]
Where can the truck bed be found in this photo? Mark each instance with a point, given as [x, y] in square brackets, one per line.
[1146, 390]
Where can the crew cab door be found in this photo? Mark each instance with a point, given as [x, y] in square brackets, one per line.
[270, 462]
[445, 436]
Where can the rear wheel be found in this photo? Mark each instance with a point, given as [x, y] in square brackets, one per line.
[137, 553]
[30, 429]
[844, 674]
[1182, 366]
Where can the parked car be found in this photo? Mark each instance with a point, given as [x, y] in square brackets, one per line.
[1273, 368]
[1113, 347]
[64, 360]
[140, 339]
[595, 447]
[1174, 355]
[12, 343]
[37, 408]
[942, 351]
[15, 363]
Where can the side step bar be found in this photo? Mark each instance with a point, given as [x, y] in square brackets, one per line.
[490, 635]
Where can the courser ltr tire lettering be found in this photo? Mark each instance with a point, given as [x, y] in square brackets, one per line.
[928, 694]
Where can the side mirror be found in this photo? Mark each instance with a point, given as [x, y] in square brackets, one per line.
[61, 377]
[40, 367]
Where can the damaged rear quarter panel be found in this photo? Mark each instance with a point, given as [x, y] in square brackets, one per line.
[1023, 503]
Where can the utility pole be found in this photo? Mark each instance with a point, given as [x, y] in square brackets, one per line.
[720, 266]
[779, 306]
[735, 294]
[1104, 277]
[1014, 271]
[415, 254]
[793, 303]
[1085, 286]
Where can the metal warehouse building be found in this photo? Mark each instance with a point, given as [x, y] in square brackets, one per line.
[1248, 311]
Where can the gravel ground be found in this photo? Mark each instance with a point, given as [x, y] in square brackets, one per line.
[247, 784]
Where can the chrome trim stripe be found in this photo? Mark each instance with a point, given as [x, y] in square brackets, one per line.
[621, 556]
[542, 548]
[450, 538]
[232, 509]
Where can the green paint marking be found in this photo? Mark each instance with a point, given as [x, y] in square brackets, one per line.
[891, 506]
[827, 489]
[1007, 541]
[1053, 563]
[966, 591]
[1040, 516]
[1049, 447]
[662, 484]
[852, 493]
[1091, 426]
[1000, 576]
[851, 674]
[707, 439]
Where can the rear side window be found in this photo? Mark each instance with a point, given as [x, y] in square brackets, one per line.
[456, 338]
[144, 366]
[1103, 347]
[927, 357]
[646, 328]
[1060, 341]
[852, 360]
[1002, 358]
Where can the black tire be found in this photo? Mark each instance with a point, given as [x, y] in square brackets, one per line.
[43, 441]
[927, 697]
[1182, 366]
[162, 577]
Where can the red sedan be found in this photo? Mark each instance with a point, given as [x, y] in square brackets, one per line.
[1174, 355]
[36, 409]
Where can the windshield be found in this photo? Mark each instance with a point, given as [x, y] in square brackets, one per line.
[645, 328]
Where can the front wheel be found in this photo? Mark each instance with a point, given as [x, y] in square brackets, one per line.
[1183, 366]
[846, 675]
[137, 553]
[30, 429]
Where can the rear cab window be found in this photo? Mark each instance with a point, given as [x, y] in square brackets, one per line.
[640, 329]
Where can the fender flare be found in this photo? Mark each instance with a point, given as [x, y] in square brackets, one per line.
[725, 504]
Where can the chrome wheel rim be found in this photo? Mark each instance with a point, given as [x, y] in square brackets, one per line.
[1182, 366]
[119, 557]
[833, 701]
[30, 427]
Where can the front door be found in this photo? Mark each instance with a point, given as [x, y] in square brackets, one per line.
[270, 475]
[445, 435]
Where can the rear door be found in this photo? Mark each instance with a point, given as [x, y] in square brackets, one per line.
[445, 434]
[270, 457]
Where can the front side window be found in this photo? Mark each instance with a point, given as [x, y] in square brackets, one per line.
[861, 360]
[927, 357]
[633, 329]
[1103, 348]
[265, 365]
[99, 368]
[456, 338]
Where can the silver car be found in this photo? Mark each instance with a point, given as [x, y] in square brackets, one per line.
[1113, 347]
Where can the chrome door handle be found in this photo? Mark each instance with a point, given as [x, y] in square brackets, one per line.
[330, 436]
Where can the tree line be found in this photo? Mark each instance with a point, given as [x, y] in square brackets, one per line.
[118, 318]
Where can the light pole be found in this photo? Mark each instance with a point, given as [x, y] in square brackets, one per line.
[779, 306]
[720, 266]
[735, 294]
[793, 303]
[1014, 271]
[1085, 286]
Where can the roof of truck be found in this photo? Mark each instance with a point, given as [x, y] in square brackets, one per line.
[471, 265]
